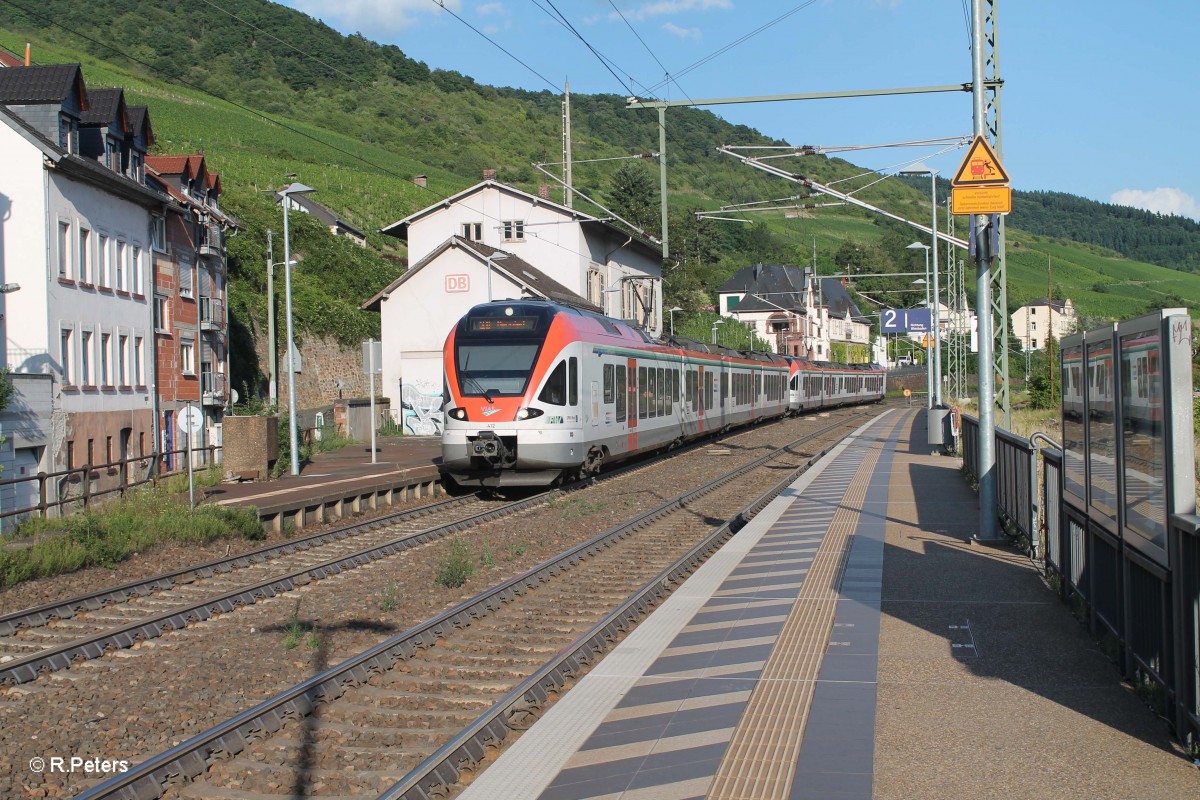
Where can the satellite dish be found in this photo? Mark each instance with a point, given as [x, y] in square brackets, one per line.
[233, 396]
[339, 383]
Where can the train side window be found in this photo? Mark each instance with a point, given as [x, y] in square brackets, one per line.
[691, 388]
[609, 381]
[573, 381]
[642, 404]
[708, 391]
[652, 394]
[555, 390]
[620, 392]
[673, 394]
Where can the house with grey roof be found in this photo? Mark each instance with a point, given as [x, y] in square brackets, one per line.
[77, 242]
[337, 226]
[418, 309]
[791, 309]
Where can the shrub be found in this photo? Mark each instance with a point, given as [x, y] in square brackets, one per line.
[456, 566]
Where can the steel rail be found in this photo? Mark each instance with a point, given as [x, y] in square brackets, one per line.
[519, 708]
[191, 758]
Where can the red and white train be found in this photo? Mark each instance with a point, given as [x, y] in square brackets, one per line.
[536, 392]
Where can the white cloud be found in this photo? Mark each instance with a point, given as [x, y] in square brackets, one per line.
[658, 8]
[1161, 201]
[376, 18]
[491, 8]
[682, 33]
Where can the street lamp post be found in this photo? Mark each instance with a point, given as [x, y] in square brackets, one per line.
[295, 188]
[714, 329]
[920, 169]
[490, 260]
[672, 311]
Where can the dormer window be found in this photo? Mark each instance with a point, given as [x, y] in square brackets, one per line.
[68, 133]
[112, 155]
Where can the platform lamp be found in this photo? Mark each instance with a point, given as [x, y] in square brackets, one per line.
[714, 329]
[672, 311]
[295, 188]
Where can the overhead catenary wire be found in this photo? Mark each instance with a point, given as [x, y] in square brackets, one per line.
[269, 120]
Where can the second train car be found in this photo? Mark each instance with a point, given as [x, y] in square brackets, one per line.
[536, 392]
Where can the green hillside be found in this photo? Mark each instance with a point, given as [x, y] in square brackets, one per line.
[359, 122]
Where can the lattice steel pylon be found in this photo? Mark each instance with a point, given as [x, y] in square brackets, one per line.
[958, 349]
[999, 274]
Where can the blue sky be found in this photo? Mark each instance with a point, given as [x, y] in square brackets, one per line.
[1097, 98]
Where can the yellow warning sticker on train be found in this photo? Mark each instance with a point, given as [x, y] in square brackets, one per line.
[980, 167]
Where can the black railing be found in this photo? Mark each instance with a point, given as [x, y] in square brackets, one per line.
[78, 489]
[1148, 612]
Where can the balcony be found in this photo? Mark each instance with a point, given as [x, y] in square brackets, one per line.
[212, 314]
[212, 388]
[210, 241]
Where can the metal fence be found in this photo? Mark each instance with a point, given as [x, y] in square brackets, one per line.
[1016, 477]
[77, 489]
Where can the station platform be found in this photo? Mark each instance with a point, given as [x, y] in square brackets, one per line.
[332, 483]
[852, 642]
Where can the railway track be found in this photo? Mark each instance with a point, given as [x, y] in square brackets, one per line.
[54, 636]
[412, 704]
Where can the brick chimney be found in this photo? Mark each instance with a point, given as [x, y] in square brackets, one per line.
[544, 191]
[489, 174]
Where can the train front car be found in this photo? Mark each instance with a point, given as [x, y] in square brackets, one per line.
[512, 411]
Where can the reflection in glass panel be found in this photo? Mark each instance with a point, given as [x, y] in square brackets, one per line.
[1102, 433]
[1145, 436]
[1074, 477]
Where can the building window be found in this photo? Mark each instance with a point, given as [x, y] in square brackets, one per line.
[70, 454]
[119, 267]
[122, 358]
[85, 239]
[135, 269]
[158, 234]
[64, 249]
[160, 313]
[105, 345]
[91, 462]
[136, 168]
[514, 230]
[472, 231]
[186, 279]
[595, 287]
[137, 361]
[85, 358]
[113, 155]
[731, 303]
[102, 260]
[187, 356]
[64, 354]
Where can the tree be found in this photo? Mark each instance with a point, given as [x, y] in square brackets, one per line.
[634, 196]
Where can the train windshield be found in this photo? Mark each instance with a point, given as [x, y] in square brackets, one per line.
[494, 368]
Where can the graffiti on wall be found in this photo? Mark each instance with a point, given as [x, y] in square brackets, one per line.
[421, 409]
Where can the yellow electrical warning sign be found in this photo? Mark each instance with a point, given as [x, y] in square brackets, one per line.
[980, 167]
[980, 200]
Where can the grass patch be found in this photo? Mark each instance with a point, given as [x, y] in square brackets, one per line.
[106, 536]
[456, 566]
[575, 507]
[389, 598]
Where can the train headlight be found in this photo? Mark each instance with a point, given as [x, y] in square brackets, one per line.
[528, 413]
[458, 414]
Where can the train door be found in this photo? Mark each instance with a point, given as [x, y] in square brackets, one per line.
[632, 405]
[595, 407]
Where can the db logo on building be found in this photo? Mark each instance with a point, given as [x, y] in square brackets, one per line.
[458, 283]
